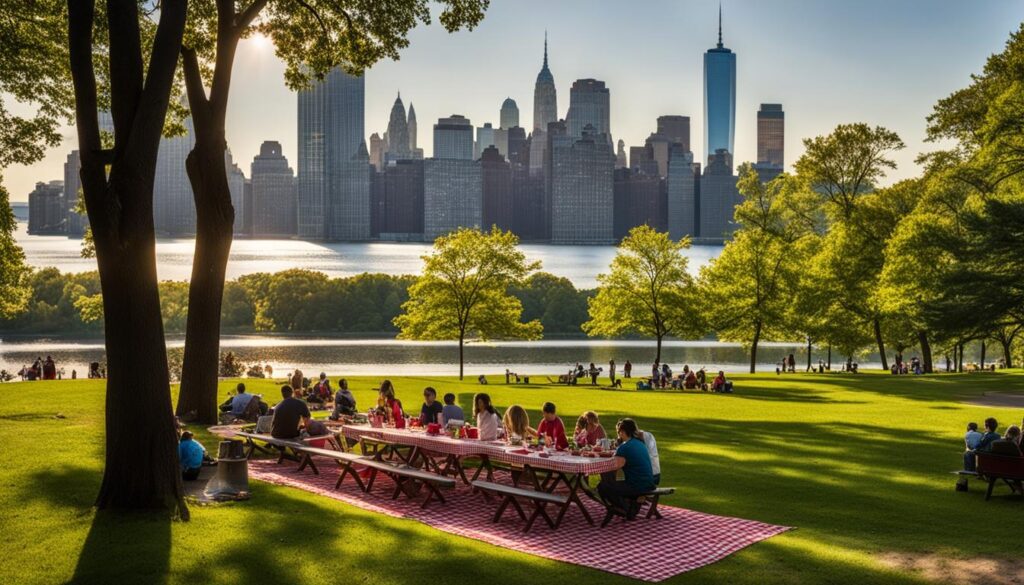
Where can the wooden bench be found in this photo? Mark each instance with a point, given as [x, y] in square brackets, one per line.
[408, 480]
[1006, 468]
[539, 499]
[283, 445]
[651, 500]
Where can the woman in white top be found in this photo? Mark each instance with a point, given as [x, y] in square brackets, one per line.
[487, 420]
[652, 450]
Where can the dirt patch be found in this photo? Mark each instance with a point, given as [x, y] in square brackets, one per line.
[998, 400]
[958, 571]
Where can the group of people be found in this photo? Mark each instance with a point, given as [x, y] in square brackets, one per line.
[42, 370]
[662, 377]
[1010, 443]
[902, 367]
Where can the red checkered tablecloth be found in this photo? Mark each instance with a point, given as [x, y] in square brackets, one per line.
[497, 451]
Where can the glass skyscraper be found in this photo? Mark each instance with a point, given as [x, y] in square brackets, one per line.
[719, 99]
[589, 106]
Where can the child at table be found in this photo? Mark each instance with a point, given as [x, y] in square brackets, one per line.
[432, 409]
[392, 406]
[517, 424]
[487, 420]
[551, 428]
[588, 429]
[451, 411]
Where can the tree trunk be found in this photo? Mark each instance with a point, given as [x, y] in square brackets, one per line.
[829, 366]
[809, 347]
[1007, 356]
[982, 354]
[753, 347]
[881, 345]
[215, 218]
[657, 355]
[461, 354]
[959, 358]
[926, 352]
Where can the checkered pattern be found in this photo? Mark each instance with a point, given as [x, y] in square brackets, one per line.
[495, 450]
[683, 540]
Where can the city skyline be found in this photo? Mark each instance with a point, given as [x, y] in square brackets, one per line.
[800, 54]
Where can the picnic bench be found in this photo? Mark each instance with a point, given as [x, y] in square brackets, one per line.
[283, 446]
[651, 501]
[539, 498]
[1006, 468]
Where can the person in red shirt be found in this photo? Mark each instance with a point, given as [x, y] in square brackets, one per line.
[551, 428]
[392, 406]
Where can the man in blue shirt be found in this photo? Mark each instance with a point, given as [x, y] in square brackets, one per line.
[990, 436]
[236, 404]
[635, 459]
[190, 455]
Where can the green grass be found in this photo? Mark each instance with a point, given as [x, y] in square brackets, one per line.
[859, 464]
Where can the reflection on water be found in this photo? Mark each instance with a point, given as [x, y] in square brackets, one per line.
[580, 264]
[392, 357]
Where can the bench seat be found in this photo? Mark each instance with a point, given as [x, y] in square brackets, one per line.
[539, 499]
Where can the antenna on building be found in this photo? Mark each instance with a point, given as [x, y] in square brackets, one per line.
[719, 24]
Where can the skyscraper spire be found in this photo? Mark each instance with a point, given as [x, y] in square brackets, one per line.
[546, 45]
[719, 25]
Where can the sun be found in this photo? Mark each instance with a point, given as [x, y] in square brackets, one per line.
[261, 41]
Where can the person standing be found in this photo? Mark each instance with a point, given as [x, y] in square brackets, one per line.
[611, 371]
[627, 369]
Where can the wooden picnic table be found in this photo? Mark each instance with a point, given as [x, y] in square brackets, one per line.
[561, 467]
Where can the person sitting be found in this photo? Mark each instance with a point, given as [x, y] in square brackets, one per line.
[702, 379]
[1009, 445]
[392, 406]
[482, 379]
[987, 438]
[431, 411]
[666, 375]
[487, 420]
[516, 423]
[288, 414]
[344, 402]
[588, 429]
[652, 451]
[451, 411]
[551, 428]
[190, 456]
[236, 405]
[721, 384]
[972, 438]
[690, 381]
[296, 381]
[593, 371]
[633, 456]
[320, 393]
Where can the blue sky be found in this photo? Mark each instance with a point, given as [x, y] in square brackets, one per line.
[880, 62]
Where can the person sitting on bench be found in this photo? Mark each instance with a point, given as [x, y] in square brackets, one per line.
[288, 414]
[588, 429]
[235, 405]
[451, 411]
[516, 423]
[1009, 445]
[487, 420]
[431, 411]
[552, 428]
[652, 452]
[190, 456]
[987, 438]
[721, 384]
[344, 402]
[632, 454]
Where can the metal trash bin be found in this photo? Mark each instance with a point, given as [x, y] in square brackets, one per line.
[232, 479]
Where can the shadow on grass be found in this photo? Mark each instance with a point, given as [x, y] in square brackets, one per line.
[125, 547]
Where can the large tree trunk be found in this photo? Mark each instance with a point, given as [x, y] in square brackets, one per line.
[829, 365]
[462, 359]
[809, 347]
[753, 347]
[881, 345]
[982, 360]
[215, 219]
[657, 354]
[926, 351]
[1007, 351]
[141, 459]
[959, 358]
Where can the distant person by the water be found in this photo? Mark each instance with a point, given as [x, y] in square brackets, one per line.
[296, 380]
[627, 369]
[611, 371]
[721, 384]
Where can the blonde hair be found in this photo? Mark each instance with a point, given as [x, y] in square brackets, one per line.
[516, 421]
[591, 417]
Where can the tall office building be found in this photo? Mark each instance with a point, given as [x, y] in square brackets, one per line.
[453, 138]
[545, 111]
[349, 213]
[518, 150]
[582, 189]
[658, 145]
[330, 133]
[589, 106]
[273, 193]
[682, 194]
[496, 177]
[377, 152]
[771, 135]
[718, 198]
[46, 209]
[174, 209]
[236, 186]
[75, 222]
[397, 147]
[639, 200]
[620, 156]
[452, 196]
[398, 202]
[676, 129]
[719, 99]
[484, 140]
[509, 114]
[411, 128]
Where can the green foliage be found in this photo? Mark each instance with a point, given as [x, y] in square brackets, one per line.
[554, 301]
[230, 367]
[464, 290]
[647, 291]
[14, 293]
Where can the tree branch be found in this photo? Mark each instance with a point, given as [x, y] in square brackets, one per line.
[125, 68]
[246, 18]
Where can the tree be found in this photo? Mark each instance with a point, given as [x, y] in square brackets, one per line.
[749, 289]
[647, 291]
[141, 470]
[311, 37]
[553, 300]
[464, 291]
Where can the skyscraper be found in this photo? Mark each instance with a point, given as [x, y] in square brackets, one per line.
[620, 156]
[46, 210]
[452, 196]
[349, 212]
[236, 186]
[484, 139]
[682, 185]
[676, 129]
[376, 151]
[174, 209]
[509, 114]
[453, 138]
[496, 177]
[273, 193]
[411, 128]
[398, 133]
[719, 99]
[582, 190]
[718, 198]
[589, 106]
[330, 132]
[771, 128]
[545, 111]
[398, 203]
[75, 222]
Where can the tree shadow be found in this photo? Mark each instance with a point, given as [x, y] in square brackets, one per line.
[126, 547]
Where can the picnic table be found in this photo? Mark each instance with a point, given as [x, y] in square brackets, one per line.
[561, 467]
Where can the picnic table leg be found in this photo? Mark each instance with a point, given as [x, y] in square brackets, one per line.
[453, 466]
[307, 459]
[653, 510]
[346, 469]
[509, 499]
[538, 510]
[574, 498]
[485, 463]
[432, 492]
[991, 484]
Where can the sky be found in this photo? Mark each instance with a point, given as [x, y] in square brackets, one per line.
[883, 62]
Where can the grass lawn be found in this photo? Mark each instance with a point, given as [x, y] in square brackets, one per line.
[859, 464]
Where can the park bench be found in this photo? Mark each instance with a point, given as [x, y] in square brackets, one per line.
[651, 501]
[511, 496]
[408, 480]
[1006, 468]
[283, 446]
